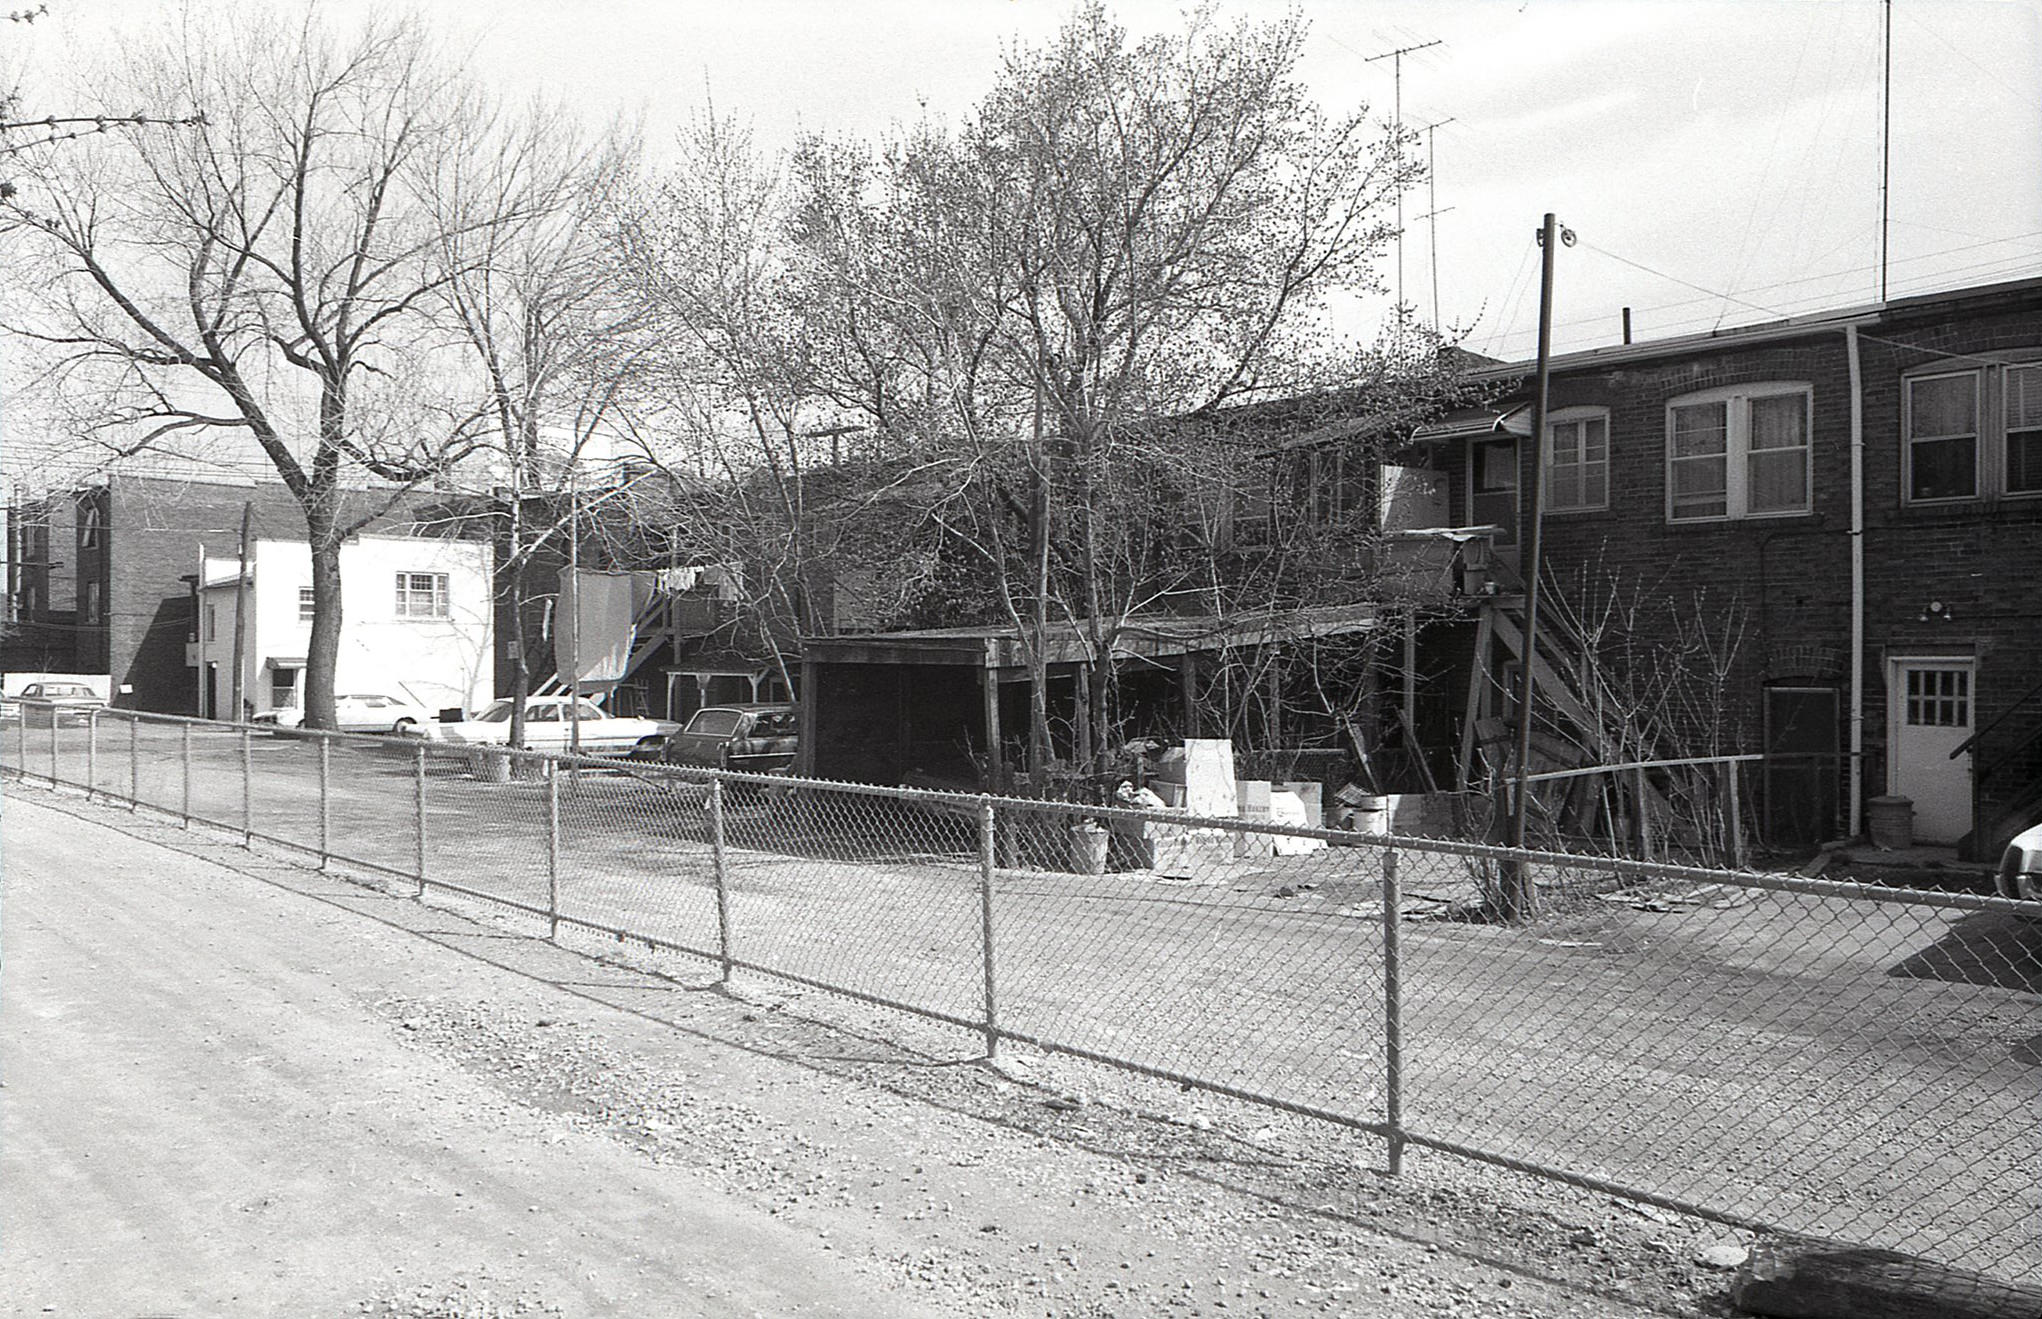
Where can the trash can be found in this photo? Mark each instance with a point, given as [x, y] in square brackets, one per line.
[1088, 849]
[1891, 820]
[492, 765]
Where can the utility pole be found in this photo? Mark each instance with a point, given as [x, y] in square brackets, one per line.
[1519, 896]
[574, 614]
[241, 616]
[1396, 58]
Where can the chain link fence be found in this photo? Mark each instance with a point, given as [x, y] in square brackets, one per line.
[1849, 1061]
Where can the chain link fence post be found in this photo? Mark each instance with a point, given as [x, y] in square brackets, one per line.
[91, 752]
[325, 801]
[184, 793]
[985, 918]
[21, 736]
[54, 725]
[418, 812]
[552, 851]
[717, 863]
[1393, 1012]
[247, 787]
[134, 763]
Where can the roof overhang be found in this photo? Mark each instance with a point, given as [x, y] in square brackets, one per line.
[1476, 424]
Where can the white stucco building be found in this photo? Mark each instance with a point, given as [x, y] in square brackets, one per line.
[416, 622]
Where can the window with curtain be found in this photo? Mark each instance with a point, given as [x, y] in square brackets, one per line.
[1740, 452]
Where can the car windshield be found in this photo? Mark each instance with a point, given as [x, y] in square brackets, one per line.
[496, 713]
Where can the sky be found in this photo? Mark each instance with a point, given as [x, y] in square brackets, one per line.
[1719, 163]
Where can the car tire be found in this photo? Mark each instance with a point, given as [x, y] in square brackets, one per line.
[405, 727]
[649, 748]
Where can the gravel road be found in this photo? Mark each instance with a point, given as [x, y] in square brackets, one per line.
[238, 1087]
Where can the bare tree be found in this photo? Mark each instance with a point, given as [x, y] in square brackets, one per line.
[1125, 237]
[274, 273]
[552, 336]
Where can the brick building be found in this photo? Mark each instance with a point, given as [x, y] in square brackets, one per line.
[101, 579]
[1837, 522]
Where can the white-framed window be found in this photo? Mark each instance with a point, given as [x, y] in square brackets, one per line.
[1971, 433]
[1577, 460]
[422, 595]
[212, 623]
[307, 605]
[1739, 452]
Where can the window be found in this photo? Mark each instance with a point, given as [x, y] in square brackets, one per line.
[89, 605]
[306, 605]
[212, 623]
[283, 688]
[1741, 452]
[1973, 434]
[89, 520]
[1938, 698]
[422, 595]
[1577, 460]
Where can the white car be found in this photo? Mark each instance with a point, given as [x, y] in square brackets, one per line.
[548, 727]
[360, 712]
[2020, 867]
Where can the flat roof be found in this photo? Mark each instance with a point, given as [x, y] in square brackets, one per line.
[1788, 327]
[1143, 636]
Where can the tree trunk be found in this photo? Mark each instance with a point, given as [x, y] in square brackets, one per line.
[521, 669]
[323, 654]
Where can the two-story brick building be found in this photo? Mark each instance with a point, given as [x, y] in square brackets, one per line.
[1831, 525]
[106, 580]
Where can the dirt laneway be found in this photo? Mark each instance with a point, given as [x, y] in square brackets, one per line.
[260, 1091]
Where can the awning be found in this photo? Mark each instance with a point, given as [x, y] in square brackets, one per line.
[284, 662]
[1475, 424]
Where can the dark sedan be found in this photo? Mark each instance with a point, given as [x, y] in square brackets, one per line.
[757, 739]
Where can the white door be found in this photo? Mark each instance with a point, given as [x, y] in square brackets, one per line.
[1929, 715]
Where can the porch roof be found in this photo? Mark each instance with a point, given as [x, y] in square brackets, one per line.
[1154, 637]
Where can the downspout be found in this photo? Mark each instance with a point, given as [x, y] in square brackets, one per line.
[1857, 720]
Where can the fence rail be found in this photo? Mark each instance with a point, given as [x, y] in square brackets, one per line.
[1834, 1058]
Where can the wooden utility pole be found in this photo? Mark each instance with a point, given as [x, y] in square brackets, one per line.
[1519, 897]
[241, 616]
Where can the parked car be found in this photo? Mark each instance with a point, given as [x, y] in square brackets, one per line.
[64, 702]
[2020, 867]
[548, 727]
[360, 712]
[758, 739]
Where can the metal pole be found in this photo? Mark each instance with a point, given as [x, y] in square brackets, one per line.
[985, 917]
[418, 811]
[54, 721]
[134, 763]
[184, 805]
[247, 790]
[325, 800]
[21, 734]
[91, 752]
[552, 852]
[1518, 893]
[1393, 1013]
[716, 860]
[1730, 773]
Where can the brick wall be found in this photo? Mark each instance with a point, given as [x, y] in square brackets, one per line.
[154, 529]
[1784, 583]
